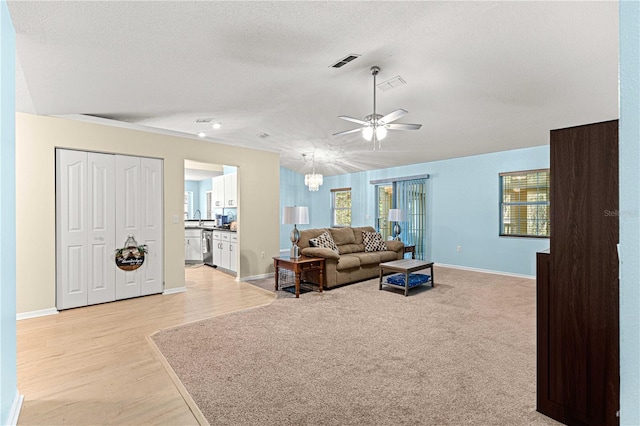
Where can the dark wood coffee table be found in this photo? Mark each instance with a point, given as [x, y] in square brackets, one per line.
[298, 266]
[406, 266]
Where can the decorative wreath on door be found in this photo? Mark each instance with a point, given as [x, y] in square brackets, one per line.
[131, 256]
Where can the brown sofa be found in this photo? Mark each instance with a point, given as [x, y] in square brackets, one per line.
[352, 263]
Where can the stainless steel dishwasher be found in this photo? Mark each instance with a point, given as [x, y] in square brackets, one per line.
[207, 247]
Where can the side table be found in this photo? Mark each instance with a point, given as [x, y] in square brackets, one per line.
[298, 266]
[410, 249]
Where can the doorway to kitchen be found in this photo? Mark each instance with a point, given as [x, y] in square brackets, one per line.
[211, 216]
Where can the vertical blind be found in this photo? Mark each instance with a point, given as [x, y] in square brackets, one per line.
[411, 196]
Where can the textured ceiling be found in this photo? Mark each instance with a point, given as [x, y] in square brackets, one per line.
[481, 76]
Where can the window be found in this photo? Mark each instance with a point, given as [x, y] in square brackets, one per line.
[524, 203]
[341, 206]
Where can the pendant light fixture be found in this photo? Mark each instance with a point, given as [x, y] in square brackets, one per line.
[313, 180]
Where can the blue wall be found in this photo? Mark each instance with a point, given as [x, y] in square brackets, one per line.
[193, 186]
[8, 385]
[203, 186]
[629, 213]
[462, 207]
[293, 193]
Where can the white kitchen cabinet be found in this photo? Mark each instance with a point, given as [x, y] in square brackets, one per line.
[217, 192]
[216, 247]
[102, 199]
[224, 191]
[231, 190]
[225, 250]
[193, 246]
[233, 253]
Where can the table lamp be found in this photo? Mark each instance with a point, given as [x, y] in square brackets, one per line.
[397, 215]
[296, 215]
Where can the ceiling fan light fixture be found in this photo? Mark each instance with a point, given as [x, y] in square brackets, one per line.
[367, 133]
[375, 126]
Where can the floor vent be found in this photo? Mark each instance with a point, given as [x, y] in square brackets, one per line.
[344, 61]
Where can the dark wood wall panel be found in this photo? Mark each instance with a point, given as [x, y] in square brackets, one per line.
[582, 336]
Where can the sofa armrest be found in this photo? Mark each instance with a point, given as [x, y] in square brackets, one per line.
[394, 245]
[320, 252]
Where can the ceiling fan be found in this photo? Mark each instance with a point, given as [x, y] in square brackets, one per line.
[375, 126]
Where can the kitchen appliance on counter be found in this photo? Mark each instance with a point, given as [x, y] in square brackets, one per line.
[221, 220]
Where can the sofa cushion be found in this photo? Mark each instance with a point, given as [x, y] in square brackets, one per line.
[320, 252]
[342, 236]
[357, 233]
[388, 256]
[371, 258]
[348, 261]
[373, 242]
[324, 240]
[394, 245]
[350, 248]
[307, 234]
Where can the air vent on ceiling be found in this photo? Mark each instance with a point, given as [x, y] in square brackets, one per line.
[204, 120]
[264, 135]
[391, 83]
[344, 61]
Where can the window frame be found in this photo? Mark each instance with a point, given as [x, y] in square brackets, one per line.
[502, 203]
[334, 209]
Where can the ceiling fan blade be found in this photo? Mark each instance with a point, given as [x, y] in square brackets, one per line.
[392, 116]
[346, 132]
[355, 120]
[403, 126]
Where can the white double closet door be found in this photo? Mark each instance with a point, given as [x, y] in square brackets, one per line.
[101, 200]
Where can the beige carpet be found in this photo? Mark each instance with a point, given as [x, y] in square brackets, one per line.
[460, 353]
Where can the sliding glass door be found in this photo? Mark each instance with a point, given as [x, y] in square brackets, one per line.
[409, 195]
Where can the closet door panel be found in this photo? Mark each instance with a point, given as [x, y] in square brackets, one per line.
[127, 196]
[152, 225]
[101, 218]
[71, 229]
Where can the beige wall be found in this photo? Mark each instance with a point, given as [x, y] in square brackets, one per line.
[38, 136]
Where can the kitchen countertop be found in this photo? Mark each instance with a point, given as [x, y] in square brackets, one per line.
[207, 228]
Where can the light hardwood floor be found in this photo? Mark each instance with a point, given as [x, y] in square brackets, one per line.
[93, 365]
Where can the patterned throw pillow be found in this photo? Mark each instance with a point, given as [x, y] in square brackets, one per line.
[324, 240]
[373, 241]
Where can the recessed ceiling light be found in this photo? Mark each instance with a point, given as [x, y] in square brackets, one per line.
[202, 134]
[216, 125]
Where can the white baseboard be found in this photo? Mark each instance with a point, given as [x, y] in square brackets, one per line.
[486, 271]
[259, 277]
[174, 290]
[35, 314]
[12, 417]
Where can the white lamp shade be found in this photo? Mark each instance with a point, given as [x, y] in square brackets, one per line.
[397, 215]
[295, 215]
[367, 133]
[381, 132]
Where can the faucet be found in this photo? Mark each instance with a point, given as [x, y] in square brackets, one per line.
[199, 217]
